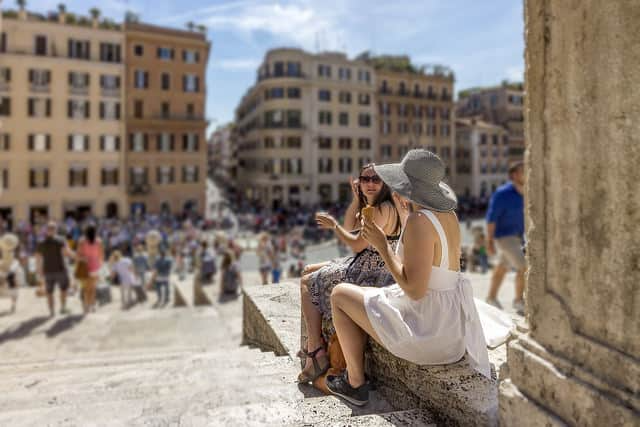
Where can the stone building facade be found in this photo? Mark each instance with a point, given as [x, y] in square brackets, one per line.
[306, 125]
[501, 105]
[166, 160]
[481, 158]
[61, 133]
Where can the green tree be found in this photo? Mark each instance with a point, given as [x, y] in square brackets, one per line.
[21, 4]
[190, 25]
[62, 8]
[202, 29]
[95, 12]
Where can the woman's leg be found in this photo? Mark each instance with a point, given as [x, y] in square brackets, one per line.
[352, 326]
[312, 316]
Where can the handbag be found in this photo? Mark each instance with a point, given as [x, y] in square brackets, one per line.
[81, 270]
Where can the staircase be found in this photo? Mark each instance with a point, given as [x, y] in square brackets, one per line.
[165, 367]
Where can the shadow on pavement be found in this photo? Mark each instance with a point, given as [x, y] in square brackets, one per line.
[22, 330]
[63, 324]
[224, 298]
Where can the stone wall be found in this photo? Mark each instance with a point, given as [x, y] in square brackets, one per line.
[579, 364]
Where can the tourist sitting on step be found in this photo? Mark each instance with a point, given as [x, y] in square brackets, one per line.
[428, 317]
[365, 268]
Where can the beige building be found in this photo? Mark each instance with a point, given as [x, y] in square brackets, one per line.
[61, 137]
[222, 155]
[415, 109]
[482, 157]
[305, 127]
[502, 105]
[166, 153]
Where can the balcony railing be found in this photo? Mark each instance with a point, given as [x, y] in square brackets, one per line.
[39, 88]
[79, 90]
[109, 92]
[139, 188]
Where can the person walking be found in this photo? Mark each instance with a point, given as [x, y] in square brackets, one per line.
[122, 266]
[161, 276]
[91, 252]
[50, 254]
[505, 235]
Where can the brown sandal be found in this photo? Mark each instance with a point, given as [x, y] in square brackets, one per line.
[320, 365]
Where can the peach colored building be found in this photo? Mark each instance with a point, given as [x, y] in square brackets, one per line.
[61, 103]
[166, 150]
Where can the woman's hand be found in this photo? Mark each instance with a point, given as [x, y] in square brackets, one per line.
[402, 206]
[326, 221]
[373, 234]
[355, 192]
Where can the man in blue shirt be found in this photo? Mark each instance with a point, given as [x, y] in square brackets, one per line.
[505, 232]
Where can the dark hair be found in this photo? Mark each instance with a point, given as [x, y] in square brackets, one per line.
[513, 167]
[90, 233]
[385, 195]
[227, 260]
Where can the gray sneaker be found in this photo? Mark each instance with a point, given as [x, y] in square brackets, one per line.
[339, 385]
[518, 306]
[494, 302]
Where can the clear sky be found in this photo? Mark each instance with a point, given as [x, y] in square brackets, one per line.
[482, 41]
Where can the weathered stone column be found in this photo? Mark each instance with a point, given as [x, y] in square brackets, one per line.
[579, 364]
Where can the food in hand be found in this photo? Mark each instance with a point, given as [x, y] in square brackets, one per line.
[367, 213]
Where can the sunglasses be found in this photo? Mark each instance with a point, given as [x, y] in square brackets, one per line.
[373, 179]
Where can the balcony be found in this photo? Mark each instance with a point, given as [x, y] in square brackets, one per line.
[110, 92]
[79, 90]
[139, 189]
[282, 76]
[386, 91]
[38, 88]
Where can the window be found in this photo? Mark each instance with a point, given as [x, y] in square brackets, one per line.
[78, 143]
[39, 79]
[324, 117]
[386, 127]
[39, 107]
[109, 143]
[191, 111]
[505, 140]
[138, 50]
[403, 128]
[345, 165]
[293, 93]
[40, 47]
[109, 110]
[165, 110]
[364, 120]
[5, 106]
[138, 109]
[138, 175]
[269, 142]
[294, 118]
[3, 42]
[79, 49]
[165, 53]
[109, 52]
[39, 142]
[190, 142]
[324, 95]
[364, 76]
[140, 79]
[165, 175]
[343, 119]
[364, 99]
[278, 69]
[483, 139]
[138, 142]
[190, 56]
[78, 109]
[189, 174]
[324, 70]
[190, 83]
[324, 143]
[344, 143]
[364, 144]
[78, 176]
[165, 142]
[325, 165]
[79, 83]
[344, 97]
[494, 139]
[273, 119]
[109, 176]
[294, 69]
[274, 93]
[5, 76]
[110, 85]
[4, 179]
[165, 81]
[344, 73]
[39, 178]
[5, 142]
[294, 142]
[385, 151]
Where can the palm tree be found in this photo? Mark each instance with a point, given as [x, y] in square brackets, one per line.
[21, 4]
[95, 12]
[190, 25]
[202, 29]
[62, 8]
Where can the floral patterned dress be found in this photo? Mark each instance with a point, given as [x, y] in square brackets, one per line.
[366, 268]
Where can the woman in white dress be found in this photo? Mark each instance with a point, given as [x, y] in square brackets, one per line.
[428, 317]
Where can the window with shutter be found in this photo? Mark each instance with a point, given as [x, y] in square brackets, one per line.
[87, 114]
[86, 143]
[30, 142]
[48, 142]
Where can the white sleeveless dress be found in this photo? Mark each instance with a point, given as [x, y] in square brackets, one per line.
[441, 326]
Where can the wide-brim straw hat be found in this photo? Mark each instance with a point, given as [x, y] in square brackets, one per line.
[418, 177]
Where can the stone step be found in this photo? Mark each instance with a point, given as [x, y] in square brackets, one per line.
[455, 393]
[97, 370]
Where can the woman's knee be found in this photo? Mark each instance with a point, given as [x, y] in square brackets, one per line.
[304, 283]
[338, 293]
